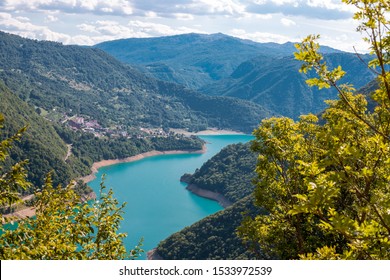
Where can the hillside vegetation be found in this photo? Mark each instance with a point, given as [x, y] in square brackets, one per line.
[193, 60]
[87, 81]
[278, 85]
[230, 173]
[40, 144]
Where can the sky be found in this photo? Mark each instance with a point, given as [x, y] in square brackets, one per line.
[88, 22]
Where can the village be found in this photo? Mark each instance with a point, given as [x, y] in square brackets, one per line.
[87, 125]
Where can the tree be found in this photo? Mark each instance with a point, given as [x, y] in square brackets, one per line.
[326, 187]
[14, 179]
[64, 226]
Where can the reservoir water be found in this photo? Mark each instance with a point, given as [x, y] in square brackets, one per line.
[158, 204]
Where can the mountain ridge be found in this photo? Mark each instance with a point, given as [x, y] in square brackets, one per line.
[193, 59]
[90, 82]
[278, 85]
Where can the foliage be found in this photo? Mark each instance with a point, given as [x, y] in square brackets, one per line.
[40, 143]
[89, 82]
[64, 227]
[12, 181]
[44, 144]
[326, 187]
[89, 149]
[230, 173]
[193, 60]
[213, 237]
[276, 84]
[220, 65]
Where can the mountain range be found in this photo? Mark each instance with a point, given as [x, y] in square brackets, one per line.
[277, 84]
[193, 60]
[220, 65]
[89, 82]
[190, 81]
[41, 80]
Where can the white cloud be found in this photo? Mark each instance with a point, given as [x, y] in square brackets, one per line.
[225, 7]
[330, 5]
[288, 22]
[261, 37]
[27, 29]
[183, 16]
[104, 30]
[118, 7]
[320, 9]
[91, 21]
[87, 28]
[23, 18]
[169, 8]
[345, 42]
[51, 18]
[149, 29]
[294, 3]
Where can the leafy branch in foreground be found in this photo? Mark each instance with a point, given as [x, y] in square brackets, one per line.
[326, 187]
[13, 179]
[64, 227]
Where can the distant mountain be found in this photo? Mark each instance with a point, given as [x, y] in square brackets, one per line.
[193, 60]
[87, 81]
[276, 83]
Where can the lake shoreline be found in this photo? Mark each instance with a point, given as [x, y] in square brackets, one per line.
[30, 211]
[210, 131]
[103, 163]
[221, 199]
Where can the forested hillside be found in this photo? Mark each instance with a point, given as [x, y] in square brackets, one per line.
[221, 65]
[230, 173]
[40, 144]
[193, 60]
[89, 148]
[278, 85]
[69, 154]
[86, 81]
[213, 238]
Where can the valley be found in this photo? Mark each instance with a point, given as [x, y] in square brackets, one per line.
[138, 110]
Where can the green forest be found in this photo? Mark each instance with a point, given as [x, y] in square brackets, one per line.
[87, 81]
[313, 187]
[230, 173]
[321, 184]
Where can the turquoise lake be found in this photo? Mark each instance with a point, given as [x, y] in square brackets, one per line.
[158, 204]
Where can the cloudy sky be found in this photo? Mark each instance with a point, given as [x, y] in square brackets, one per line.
[87, 22]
